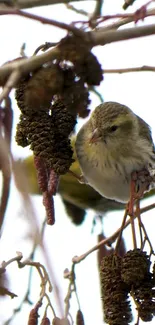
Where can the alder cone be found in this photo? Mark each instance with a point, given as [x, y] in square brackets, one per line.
[42, 86]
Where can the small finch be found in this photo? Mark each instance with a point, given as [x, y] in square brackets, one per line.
[110, 146]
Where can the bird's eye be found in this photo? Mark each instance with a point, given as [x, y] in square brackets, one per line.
[113, 128]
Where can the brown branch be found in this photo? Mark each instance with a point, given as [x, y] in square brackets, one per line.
[112, 238]
[78, 11]
[6, 177]
[97, 10]
[110, 36]
[124, 19]
[127, 70]
[43, 20]
[21, 4]
[11, 82]
[25, 65]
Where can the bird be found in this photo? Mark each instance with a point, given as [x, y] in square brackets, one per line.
[112, 145]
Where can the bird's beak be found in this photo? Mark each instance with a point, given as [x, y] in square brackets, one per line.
[95, 137]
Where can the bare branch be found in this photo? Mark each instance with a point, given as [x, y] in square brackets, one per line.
[78, 11]
[21, 4]
[43, 20]
[12, 81]
[112, 238]
[127, 70]
[5, 140]
[98, 9]
[23, 66]
[126, 18]
[111, 36]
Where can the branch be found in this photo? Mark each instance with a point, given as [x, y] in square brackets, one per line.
[110, 36]
[127, 70]
[21, 4]
[125, 18]
[98, 9]
[43, 20]
[112, 238]
[5, 142]
[78, 11]
[23, 66]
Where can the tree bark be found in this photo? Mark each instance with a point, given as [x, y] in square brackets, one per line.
[23, 4]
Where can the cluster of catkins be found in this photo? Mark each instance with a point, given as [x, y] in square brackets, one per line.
[50, 99]
[121, 277]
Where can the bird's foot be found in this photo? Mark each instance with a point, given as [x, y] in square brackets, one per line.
[140, 183]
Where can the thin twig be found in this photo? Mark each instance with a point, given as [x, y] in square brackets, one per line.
[17, 258]
[121, 230]
[44, 47]
[6, 177]
[43, 20]
[124, 19]
[78, 11]
[97, 11]
[97, 93]
[133, 231]
[12, 81]
[112, 238]
[129, 70]
[135, 16]
[139, 224]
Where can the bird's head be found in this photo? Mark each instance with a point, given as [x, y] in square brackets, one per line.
[112, 124]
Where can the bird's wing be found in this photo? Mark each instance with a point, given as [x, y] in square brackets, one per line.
[145, 131]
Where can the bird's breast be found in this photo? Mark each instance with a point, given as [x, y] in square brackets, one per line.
[109, 172]
[104, 174]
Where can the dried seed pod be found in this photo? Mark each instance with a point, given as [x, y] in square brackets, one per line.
[33, 317]
[135, 266]
[73, 49]
[144, 296]
[154, 271]
[42, 86]
[61, 158]
[79, 318]
[64, 121]
[19, 94]
[114, 292]
[90, 70]
[46, 141]
[21, 137]
[35, 93]
[75, 94]
[45, 321]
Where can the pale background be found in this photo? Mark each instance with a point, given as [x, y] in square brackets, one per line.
[64, 240]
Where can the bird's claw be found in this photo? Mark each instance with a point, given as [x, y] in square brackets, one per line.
[140, 183]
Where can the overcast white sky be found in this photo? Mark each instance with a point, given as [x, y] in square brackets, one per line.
[64, 240]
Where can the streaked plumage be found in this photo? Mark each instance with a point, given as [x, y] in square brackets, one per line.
[112, 144]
